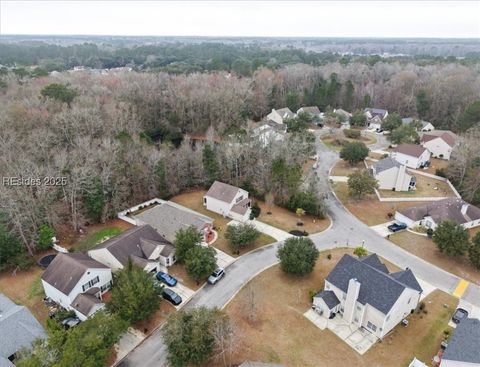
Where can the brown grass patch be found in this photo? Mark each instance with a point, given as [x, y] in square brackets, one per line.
[343, 168]
[157, 319]
[436, 163]
[337, 140]
[426, 187]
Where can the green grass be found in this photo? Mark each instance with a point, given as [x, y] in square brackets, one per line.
[35, 289]
[95, 238]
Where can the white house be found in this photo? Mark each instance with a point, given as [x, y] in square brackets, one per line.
[392, 175]
[142, 244]
[375, 123]
[345, 115]
[431, 214]
[279, 116]
[439, 143]
[229, 201]
[366, 295]
[76, 282]
[424, 125]
[463, 346]
[313, 111]
[267, 133]
[411, 155]
[370, 113]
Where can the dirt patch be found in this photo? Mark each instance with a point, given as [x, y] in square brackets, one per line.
[436, 163]
[425, 248]
[343, 168]
[369, 209]
[277, 332]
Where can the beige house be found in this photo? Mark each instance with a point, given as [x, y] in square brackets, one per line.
[440, 143]
[365, 294]
[279, 116]
[392, 175]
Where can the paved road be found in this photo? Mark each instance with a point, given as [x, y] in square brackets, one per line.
[346, 229]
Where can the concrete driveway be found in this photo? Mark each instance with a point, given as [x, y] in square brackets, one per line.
[382, 229]
[223, 259]
[184, 292]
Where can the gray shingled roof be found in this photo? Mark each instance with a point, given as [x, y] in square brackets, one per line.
[167, 218]
[413, 150]
[377, 288]
[18, 328]
[129, 244]
[314, 110]
[65, 271]
[385, 164]
[376, 112]
[222, 191]
[406, 277]
[464, 346]
[286, 113]
[441, 210]
[84, 302]
[375, 262]
[329, 298]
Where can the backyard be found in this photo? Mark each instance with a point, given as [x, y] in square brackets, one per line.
[425, 187]
[295, 341]
[425, 248]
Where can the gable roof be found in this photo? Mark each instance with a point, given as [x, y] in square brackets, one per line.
[409, 120]
[329, 298]
[385, 164]
[340, 111]
[464, 345]
[447, 136]
[84, 302]
[314, 110]
[413, 150]
[285, 113]
[446, 209]
[132, 243]
[222, 191]
[406, 277]
[377, 112]
[378, 288]
[18, 328]
[66, 270]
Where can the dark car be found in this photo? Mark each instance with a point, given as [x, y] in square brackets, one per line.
[459, 315]
[167, 279]
[216, 275]
[395, 227]
[70, 322]
[171, 296]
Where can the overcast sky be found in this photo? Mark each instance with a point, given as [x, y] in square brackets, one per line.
[244, 18]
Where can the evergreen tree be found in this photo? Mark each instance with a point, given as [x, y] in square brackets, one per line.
[201, 261]
[451, 238]
[423, 103]
[185, 240]
[361, 183]
[210, 165]
[45, 234]
[298, 256]
[474, 251]
[94, 199]
[354, 152]
[348, 98]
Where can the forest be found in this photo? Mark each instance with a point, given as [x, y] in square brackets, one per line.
[106, 142]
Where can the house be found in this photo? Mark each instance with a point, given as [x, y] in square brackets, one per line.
[370, 113]
[168, 218]
[367, 295]
[344, 115]
[142, 244]
[313, 112]
[229, 201]
[411, 155]
[392, 175]
[423, 125]
[440, 143]
[431, 214]
[18, 330]
[463, 348]
[279, 116]
[76, 282]
[374, 123]
[270, 132]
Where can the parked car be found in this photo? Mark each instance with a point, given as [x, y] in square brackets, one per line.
[395, 227]
[70, 322]
[171, 296]
[167, 279]
[216, 275]
[459, 315]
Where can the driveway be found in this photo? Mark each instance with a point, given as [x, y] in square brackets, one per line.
[267, 229]
[184, 292]
[223, 259]
[382, 229]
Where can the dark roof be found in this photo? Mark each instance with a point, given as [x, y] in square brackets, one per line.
[406, 277]
[329, 298]
[18, 328]
[385, 164]
[413, 150]
[446, 209]
[65, 271]
[377, 287]
[84, 302]
[447, 136]
[132, 243]
[314, 110]
[464, 346]
[222, 191]
[376, 112]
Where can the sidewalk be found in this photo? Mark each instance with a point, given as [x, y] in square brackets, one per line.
[272, 231]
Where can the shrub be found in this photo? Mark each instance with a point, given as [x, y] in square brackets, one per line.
[241, 235]
[298, 256]
[440, 172]
[430, 232]
[352, 133]
[45, 234]
[255, 211]
[360, 251]
[329, 256]
[354, 152]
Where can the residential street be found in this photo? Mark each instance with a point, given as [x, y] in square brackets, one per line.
[346, 229]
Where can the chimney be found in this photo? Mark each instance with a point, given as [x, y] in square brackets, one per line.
[351, 300]
[464, 208]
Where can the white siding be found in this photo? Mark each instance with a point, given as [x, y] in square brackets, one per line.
[275, 116]
[407, 302]
[439, 148]
[102, 255]
[403, 219]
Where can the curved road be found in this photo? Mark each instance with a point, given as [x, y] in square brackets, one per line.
[346, 229]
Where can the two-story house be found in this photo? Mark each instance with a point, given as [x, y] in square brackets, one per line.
[392, 175]
[279, 116]
[411, 155]
[440, 143]
[229, 201]
[367, 295]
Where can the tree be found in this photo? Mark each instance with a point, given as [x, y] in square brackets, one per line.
[298, 256]
[189, 336]
[470, 117]
[404, 134]
[354, 152]
[360, 251]
[474, 251]
[241, 235]
[45, 235]
[292, 101]
[185, 240]
[423, 103]
[285, 178]
[59, 92]
[308, 201]
[392, 121]
[349, 95]
[12, 253]
[358, 119]
[201, 261]
[161, 176]
[94, 199]
[451, 238]
[210, 165]
[135, 296]
[361, 183]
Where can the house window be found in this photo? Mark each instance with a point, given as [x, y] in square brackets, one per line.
[204, 200]
[371, 326]
[95, 280]
[409, 301]
[358, 308]
[90, 284]
[106, 286]
[356, 319]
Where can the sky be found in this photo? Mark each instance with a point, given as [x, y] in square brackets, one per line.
[436, 19]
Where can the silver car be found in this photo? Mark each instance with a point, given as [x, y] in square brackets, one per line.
[216, 275]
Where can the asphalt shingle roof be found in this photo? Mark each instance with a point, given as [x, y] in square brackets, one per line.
[329, 298]
[464, 346]
[376, 112]
[447, 136]
[377, 287]
[384, 164]
[314, 110]
[18, 328]
[222, 191]
[413, 150]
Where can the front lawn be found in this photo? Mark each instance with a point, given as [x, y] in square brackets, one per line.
[426, 187]
[269, 313]
[425, 248]
[343, 168]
